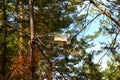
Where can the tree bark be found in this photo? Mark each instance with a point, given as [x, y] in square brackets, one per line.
[21, 46]
[105, 12]
[32, 55]
[21, 27]
[4, 43]
[31, 18]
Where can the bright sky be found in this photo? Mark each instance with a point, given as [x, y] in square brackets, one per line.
[94, 26]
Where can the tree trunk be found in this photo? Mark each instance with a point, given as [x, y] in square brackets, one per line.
[21, 46]
[32, 55]
[21, 28]
[4, 43]
[31, 18]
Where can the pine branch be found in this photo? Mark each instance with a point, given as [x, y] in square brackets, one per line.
[110, 47]
[85, 26]
[105, 12]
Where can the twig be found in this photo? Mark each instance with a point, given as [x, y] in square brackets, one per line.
[112, 44]
[85, 26]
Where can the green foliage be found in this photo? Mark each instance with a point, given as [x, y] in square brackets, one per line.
[73, 61]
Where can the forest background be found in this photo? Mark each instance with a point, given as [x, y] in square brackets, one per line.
[27, 51]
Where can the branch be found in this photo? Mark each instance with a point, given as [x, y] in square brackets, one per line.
[85, 26]
[104, 12]
[43, 54]
[17, 29]
[51, 64]
[112, 44]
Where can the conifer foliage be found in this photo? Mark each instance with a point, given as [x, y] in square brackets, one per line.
[28, 50]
